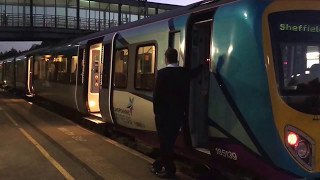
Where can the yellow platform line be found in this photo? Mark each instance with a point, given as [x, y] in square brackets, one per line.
[42, 150]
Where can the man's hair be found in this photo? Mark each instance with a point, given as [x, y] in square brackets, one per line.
[171, 55]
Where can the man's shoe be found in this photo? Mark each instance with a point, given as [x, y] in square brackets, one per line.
[165, 175]
[152, 169]
[155, 170]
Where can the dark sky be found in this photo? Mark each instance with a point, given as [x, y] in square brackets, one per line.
[6, 46]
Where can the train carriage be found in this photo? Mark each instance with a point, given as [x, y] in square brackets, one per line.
[253, 109]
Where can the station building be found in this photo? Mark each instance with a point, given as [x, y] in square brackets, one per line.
[92, 15]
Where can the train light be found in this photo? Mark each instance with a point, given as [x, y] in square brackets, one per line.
[302, 149]
[300, 146]
[292, 138]
[92, 103]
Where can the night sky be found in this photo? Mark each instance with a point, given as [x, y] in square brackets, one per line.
[6, 46]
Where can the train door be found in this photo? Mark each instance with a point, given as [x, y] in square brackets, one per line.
[4, 69]
[94, 77]
[199, 43]
[1, 73]
[30, 92]
[106, 87]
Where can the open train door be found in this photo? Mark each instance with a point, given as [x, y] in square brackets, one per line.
[95, 51]
[198, 53]
[30, 91]
[105, 91]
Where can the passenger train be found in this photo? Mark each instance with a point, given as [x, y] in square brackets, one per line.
[254, 108]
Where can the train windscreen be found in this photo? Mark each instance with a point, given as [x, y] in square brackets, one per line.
[295, 37]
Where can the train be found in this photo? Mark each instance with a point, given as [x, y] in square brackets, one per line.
[254, 108]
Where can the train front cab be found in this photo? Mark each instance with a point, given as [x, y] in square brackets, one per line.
[292, 45]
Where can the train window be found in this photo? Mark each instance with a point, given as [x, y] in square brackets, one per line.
[36, 68]
[296, 49]
[51, 70]
[20, 71]
[61, 64]
[121, 68]
[74, 63]
[42, 66]
[145, 63]
[174, 42]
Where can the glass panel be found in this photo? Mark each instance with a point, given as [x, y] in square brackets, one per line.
[38, 13]
[161, 11]
[104, 16]
[61, 13]
[121, 68]
[145, 63]
[113, 19]
[72, 14]
[84, 14]
[2, 6]
[3, 13]
[11, 9]
[125, 16]
[94, 15]
[114, 15]
[134, 13]
[49, 13]
[24, 13]
[151, 11]
[142, 12]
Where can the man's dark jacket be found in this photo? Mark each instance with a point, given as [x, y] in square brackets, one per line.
[170, 92]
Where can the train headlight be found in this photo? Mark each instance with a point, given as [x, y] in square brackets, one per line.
[292, 138]
[301, 146]
[302, 149]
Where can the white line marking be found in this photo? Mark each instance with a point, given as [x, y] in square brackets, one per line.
[10, 118]
[42, 150]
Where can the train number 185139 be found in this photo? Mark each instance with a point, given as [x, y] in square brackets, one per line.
[226, 154]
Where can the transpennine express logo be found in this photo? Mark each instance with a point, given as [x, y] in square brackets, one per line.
[130, 105]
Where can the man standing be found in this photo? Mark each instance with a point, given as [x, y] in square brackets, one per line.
[169, 106]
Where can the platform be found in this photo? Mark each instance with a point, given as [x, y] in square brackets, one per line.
[39, 144]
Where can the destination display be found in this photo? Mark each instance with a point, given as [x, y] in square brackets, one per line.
[299, 27]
